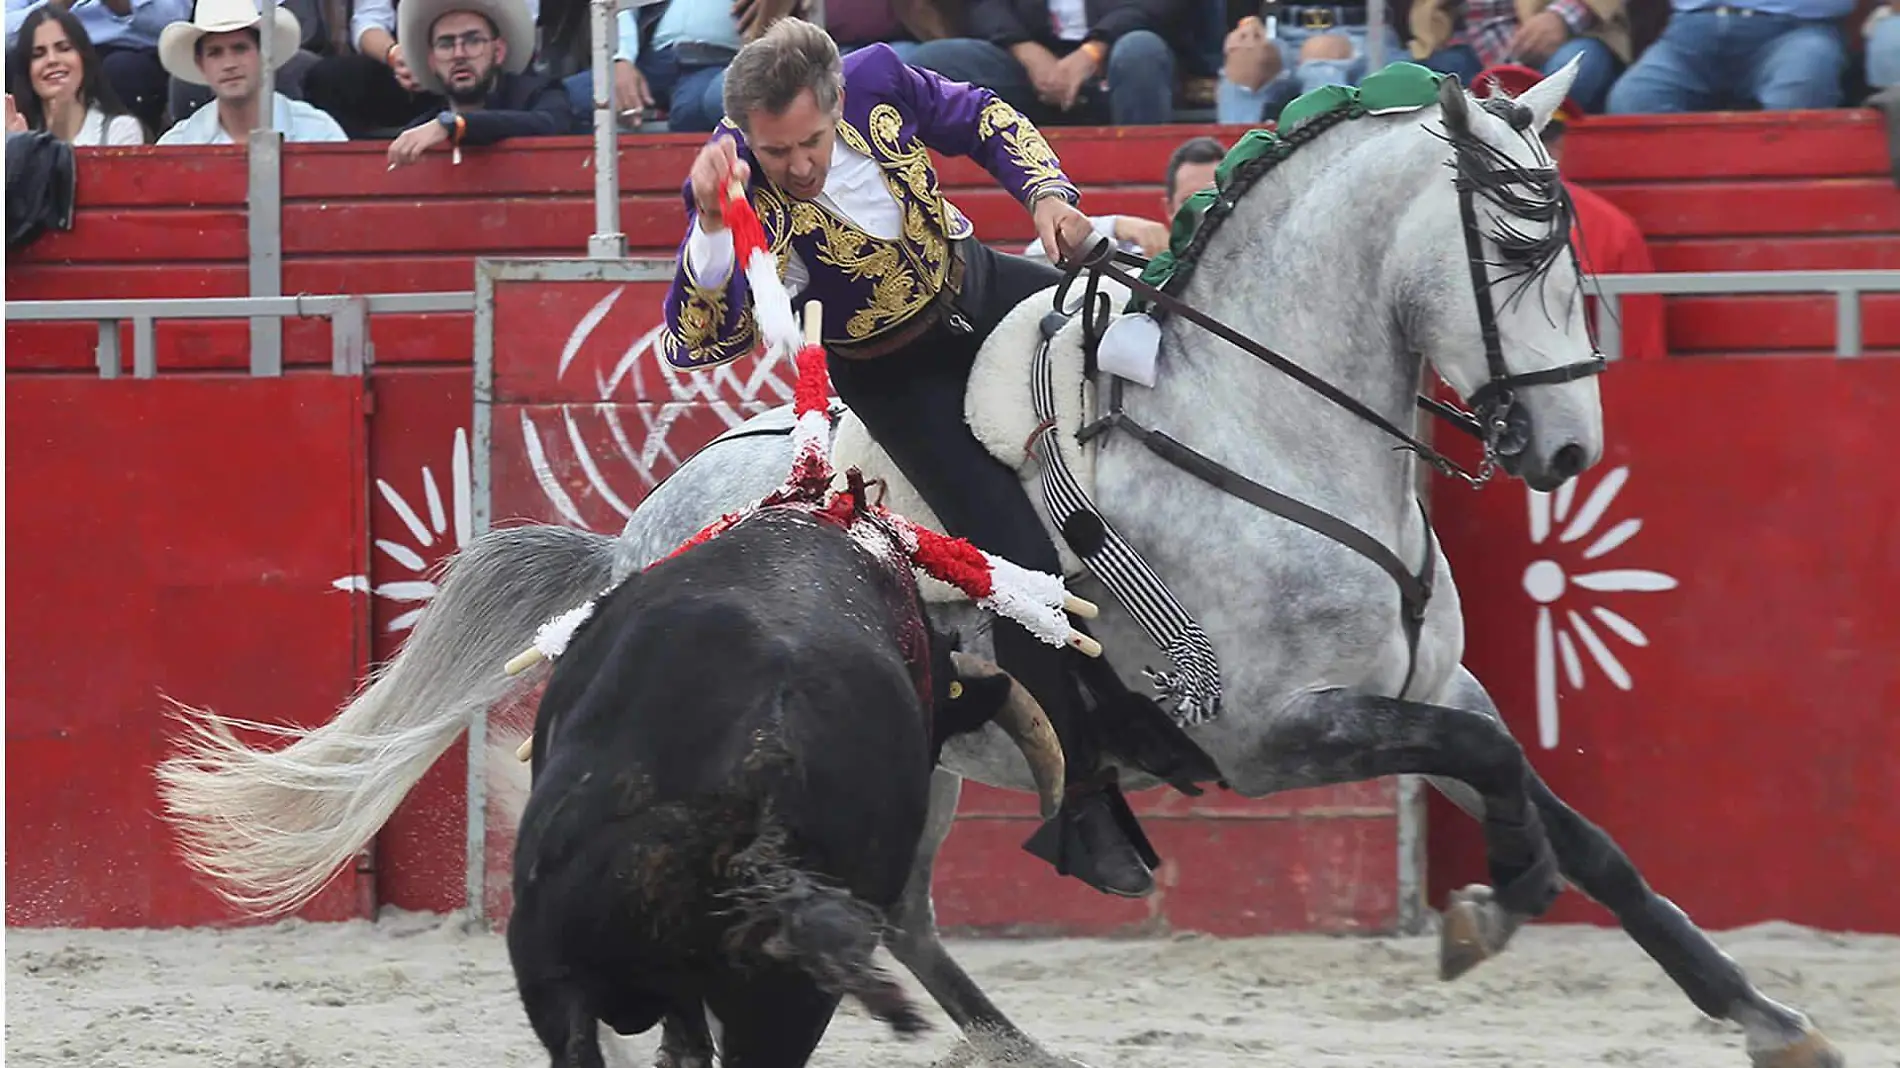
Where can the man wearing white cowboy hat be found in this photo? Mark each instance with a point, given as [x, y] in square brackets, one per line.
[475, 54]
[220, 47]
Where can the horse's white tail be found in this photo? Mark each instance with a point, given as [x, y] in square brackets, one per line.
[272, 827]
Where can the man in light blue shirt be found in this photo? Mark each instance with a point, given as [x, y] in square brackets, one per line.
[125, 34]
[632, 96]
[219, 47]
[1779, 54]
[693, 41]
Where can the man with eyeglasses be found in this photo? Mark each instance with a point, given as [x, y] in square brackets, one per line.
[477, 54]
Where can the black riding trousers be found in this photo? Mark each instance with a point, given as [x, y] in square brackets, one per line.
[911, 401]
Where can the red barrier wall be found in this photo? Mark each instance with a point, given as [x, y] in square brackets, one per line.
[1720, 671]
[1714, 192]
[171, 538]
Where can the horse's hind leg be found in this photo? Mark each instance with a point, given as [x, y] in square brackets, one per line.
[1336, 736]
[1778, 1037]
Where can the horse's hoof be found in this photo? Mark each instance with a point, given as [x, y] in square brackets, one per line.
[1472, 930]
[1811, 1050]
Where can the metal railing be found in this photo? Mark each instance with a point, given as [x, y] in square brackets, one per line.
[1847, 287]
[350, 349]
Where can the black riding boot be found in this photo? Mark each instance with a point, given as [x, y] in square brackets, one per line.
[1095, 836]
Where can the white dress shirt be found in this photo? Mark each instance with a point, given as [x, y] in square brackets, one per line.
[97, 130]
[854, 191]
[297, 121]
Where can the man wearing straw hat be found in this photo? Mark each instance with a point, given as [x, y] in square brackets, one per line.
[833, 156]
[221, 47]
[475, 53]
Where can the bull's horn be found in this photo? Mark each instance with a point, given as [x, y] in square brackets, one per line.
[1023, 719]
[526, 749]
[1085, 609]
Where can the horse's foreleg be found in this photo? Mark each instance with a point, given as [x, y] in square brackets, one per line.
[917, 947]
[1778, 1037]
[1337, 736]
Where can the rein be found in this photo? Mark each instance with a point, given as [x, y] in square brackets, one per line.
[1492, 404]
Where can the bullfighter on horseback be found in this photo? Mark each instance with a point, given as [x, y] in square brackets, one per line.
[832, 154]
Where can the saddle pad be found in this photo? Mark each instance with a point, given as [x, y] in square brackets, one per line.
[998, 409]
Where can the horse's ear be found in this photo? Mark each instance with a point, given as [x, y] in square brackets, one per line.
[1544, 98]
[1454, 106]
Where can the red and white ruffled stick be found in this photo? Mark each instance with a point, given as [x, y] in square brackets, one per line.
[771, 304]
[1035, 599]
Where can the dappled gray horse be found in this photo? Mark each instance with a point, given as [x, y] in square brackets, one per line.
[1341, 633]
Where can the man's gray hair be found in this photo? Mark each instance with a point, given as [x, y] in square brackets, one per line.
[789, 58]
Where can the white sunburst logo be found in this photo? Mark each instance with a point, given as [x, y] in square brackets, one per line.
[425, 535]
[1554, 585]
[764, 386]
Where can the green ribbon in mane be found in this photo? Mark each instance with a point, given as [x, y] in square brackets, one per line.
[1398, 87]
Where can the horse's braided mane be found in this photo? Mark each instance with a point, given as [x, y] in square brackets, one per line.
[1244, 178]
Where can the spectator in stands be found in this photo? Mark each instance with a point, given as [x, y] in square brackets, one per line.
[632, 96]
[124, 33]
[1297, 48]
[1190, 169]
[219, 47]
[1882, 31]
[905, 25]
[693, 41]
[1607, 240]
[1484, 33]
[1778, 54]
[1071, 61]
[370, 91]
[185, 97]
[55, 83]
[478, 53]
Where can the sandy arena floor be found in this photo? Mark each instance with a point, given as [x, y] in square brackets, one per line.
[415, 990]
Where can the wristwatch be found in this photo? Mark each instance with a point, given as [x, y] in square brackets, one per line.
[447, 119]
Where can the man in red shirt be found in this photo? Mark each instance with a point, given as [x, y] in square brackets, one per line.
[1607, 239]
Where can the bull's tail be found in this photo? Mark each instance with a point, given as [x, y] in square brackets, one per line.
[271, 827]
[788, 915]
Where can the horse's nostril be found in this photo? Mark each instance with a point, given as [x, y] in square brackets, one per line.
[1568, 463]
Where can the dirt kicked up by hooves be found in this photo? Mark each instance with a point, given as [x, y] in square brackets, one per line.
[417, 989]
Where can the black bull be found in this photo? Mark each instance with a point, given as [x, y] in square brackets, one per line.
[730, 772]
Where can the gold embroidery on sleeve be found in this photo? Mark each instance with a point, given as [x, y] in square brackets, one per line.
[1026, 148]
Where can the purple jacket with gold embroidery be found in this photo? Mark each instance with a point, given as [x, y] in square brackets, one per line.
[893, 113]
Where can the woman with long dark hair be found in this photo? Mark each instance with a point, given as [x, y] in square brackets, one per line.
[58, 84]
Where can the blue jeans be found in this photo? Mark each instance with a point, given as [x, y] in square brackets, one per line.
[1139, 89]
[1235, 103]
[1706, 60]
[1883, 53]
[1595, 75]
